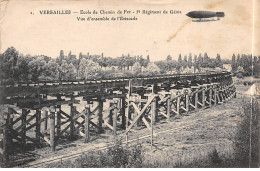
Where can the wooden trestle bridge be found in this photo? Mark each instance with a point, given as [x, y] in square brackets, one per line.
[35, 111]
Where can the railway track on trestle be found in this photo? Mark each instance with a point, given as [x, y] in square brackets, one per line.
[73, 109]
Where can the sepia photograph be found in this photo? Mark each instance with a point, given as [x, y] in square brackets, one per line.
[129, 84]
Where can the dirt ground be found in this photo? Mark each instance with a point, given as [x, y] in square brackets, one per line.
[184, 139]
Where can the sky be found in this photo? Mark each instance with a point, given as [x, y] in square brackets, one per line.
[157, 35]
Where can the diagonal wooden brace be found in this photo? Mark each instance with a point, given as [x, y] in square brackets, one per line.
[140, 112]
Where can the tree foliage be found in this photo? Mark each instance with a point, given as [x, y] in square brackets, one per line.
[189, 61]
[92, 70]
[169, 58]
[15, 66]
[245, 64]
[37, 67]
[7, 63]
[137, 68]
[52, 70]
[234, 63]
[152, 69]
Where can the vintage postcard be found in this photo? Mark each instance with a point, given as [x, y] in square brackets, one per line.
[129, 84]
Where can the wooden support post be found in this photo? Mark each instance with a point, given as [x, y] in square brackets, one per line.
[46, 120]
[130, 114]
[115, 111]
[58, 109]
[110, 118]
[138, 123]
[203, 97]
[225, 93]
[222, 97]
[196, 100]
[127, 108]
[156, 107]
[23, 132]
[210, 96]
[72, 126]
[38, 127]
[52, 129]
[100, 115]
[218, 98]
[155, 103]
[6, 140]
[168, 107]
[187, 102]
[153, 111]
[178, 103]
[215, 95]
[152, 119]
[58, 122]
[123, 109]
[229, 93]
[86, 123]
[10, 111]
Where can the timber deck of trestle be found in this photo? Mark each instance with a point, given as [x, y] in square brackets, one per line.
[114, 104]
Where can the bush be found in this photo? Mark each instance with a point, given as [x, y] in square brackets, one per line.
[117, 156]
[214, 158]
[243, 141]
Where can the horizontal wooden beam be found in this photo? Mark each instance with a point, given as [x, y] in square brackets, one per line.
[101, 86]
[56, 103]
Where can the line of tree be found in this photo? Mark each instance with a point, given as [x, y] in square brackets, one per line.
[190, 61]
[245, 64]
[15, 66]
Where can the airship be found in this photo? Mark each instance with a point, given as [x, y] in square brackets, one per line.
[202, 15]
